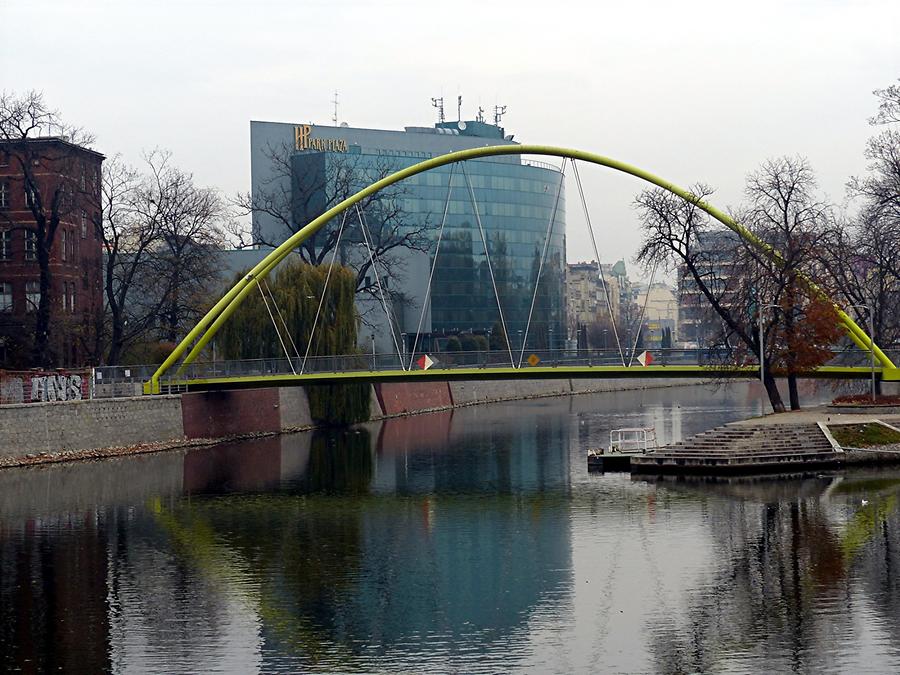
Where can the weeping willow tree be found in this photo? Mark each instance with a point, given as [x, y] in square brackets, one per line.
[297, 288]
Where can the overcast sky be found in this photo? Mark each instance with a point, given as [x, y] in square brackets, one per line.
[690, 91]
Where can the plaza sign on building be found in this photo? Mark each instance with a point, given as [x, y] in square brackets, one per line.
[303, 140]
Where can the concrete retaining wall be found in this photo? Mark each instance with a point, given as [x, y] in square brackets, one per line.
[590, 386]
[82, 425]
[482, 391]
[294, 406]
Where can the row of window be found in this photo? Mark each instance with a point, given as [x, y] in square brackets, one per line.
[438, 178]
[6, 247]
[464, 206]
[33, 296]
[67, 245]
[86, 170]
[29, 200]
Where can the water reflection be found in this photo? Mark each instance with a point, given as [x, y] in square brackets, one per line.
[472, 541]
[788, 591]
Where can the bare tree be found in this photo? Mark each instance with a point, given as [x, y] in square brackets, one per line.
[862, 253]
[127, 242]
[182, 263]
[888, 105]
[784, 211]
[740, 282]
[678, 233]
[161, 236]
[53, 184]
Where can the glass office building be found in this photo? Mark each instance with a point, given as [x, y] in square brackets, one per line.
[310, 167]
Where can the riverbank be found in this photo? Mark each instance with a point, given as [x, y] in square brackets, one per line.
[40, 433]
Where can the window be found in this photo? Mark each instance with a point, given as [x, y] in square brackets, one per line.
[4, 195]
[83, 225]
[4, 157]
[32, 295]
[30, 245]
[5, 245]
[64, 245]
[6, 298]
[65, 295]
[29, 197]
[72, 297]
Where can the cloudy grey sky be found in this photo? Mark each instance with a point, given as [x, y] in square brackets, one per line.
[690, 90]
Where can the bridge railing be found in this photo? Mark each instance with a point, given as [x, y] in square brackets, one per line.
[469, 359]
[112, 381]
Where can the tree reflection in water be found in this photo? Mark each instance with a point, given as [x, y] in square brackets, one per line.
[784, 593]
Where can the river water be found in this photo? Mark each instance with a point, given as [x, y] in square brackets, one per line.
[467, 541]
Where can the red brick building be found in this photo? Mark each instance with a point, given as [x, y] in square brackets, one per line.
[49, 205]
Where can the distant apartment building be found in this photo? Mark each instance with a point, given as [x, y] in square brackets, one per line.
[47, 175]
[587, 304]
[659, 302]
[698, 324]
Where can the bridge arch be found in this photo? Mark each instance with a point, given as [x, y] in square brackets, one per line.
[209, 325]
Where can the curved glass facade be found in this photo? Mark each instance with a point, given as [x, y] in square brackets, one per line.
[515, 202]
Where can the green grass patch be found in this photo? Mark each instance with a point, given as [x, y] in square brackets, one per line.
[864, 435]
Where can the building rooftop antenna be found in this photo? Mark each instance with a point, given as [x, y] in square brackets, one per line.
[499, 112]
[439, 104]
[459, 107]
[335, 101]
[480, 116]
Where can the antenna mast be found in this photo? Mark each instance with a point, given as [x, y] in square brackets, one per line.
[499, 112]
[480, 116]
[459, 107]
[439, 104]
[335, 101]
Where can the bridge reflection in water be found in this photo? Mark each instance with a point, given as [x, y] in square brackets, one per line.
[473, 540]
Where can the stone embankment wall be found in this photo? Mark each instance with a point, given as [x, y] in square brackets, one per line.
[36, 429]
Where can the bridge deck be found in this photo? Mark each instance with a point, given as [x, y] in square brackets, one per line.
[503, 373]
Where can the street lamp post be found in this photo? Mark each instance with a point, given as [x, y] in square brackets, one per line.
[373, 351]
[871, 314]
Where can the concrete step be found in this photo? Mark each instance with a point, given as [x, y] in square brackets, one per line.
[744, 447]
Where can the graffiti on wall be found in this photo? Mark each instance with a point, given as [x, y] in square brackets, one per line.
[42, 387]
[47, 388]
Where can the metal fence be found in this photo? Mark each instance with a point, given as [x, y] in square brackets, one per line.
[127, 380]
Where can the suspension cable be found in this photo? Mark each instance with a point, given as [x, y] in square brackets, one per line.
[287, 331]
[312, 332]
[487, 256]
[640, 322]
[604, 285]
[537, 281]
[427, 300]
[277, 332]
[366, 236]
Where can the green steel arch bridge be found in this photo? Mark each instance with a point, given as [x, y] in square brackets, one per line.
[187, 376]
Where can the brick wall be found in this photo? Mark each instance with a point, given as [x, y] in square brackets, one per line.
[396, 398]
[214, 414]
